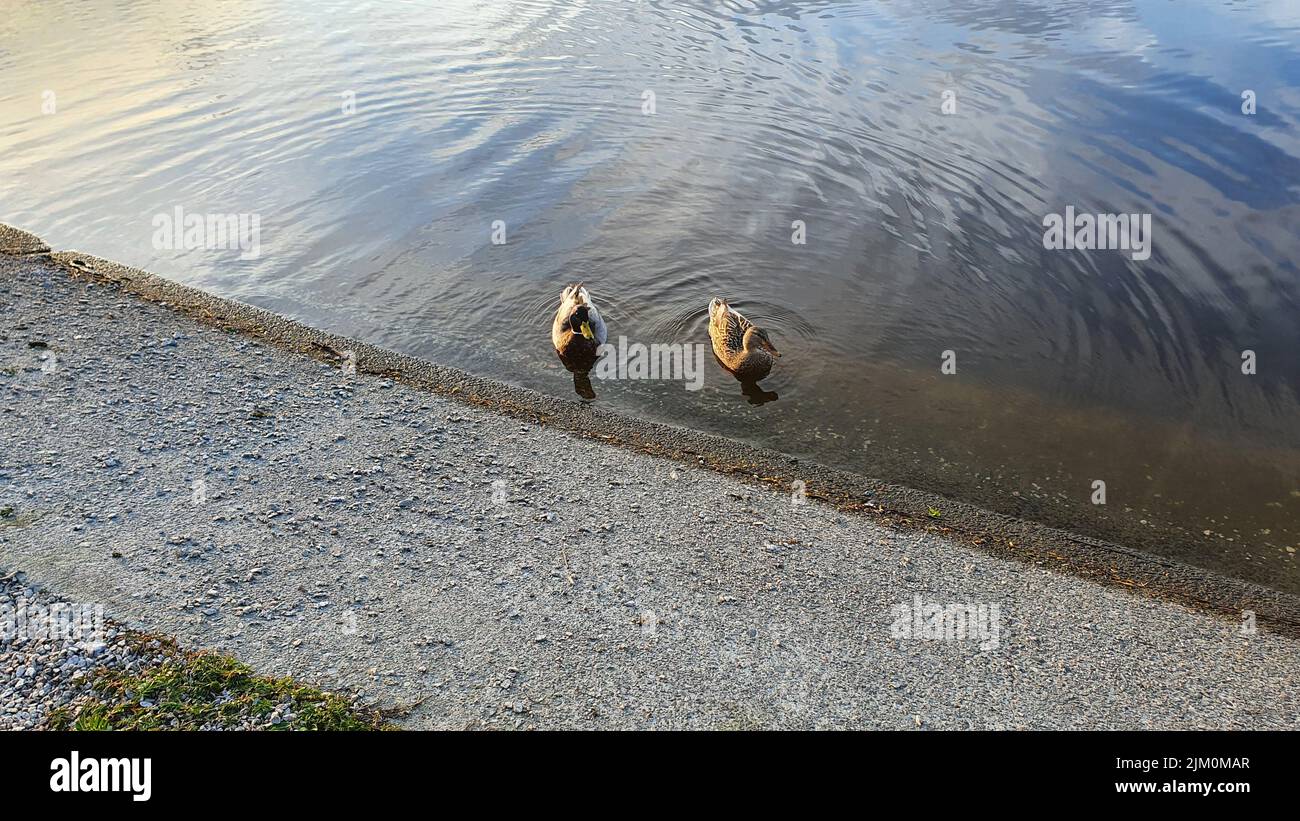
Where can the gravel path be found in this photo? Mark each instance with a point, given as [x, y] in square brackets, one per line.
[357, 533]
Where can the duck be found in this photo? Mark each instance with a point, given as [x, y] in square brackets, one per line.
[578, 330]
[741, 346]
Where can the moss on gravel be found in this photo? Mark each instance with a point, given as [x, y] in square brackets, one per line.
[196, 690]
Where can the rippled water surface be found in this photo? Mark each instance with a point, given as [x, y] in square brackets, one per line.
[924, 228]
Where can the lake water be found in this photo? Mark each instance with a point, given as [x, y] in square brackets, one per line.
[668, 152]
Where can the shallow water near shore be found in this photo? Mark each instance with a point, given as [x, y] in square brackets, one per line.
[924, 229]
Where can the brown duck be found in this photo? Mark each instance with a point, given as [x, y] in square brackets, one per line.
[577, 332]
[741, 346]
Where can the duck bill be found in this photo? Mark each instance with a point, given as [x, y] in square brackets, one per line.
[586, 330]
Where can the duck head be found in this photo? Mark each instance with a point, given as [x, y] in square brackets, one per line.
[757, 339]
[581, 316]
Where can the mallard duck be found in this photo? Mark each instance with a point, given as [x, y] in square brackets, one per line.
[741, 346]
[578, 331]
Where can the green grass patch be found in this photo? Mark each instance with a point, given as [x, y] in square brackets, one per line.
[189, 690]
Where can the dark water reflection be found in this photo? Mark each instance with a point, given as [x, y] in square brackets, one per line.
[924, 229]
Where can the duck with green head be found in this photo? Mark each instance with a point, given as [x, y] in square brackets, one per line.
[577, 333]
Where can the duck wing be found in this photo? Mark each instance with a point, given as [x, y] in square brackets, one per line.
[561, 332]
[727, 326]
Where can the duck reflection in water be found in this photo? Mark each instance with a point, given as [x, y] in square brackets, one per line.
[577, 334]
[755, 393]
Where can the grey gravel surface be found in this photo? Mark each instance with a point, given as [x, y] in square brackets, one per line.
[360, 534]
[46, 660]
